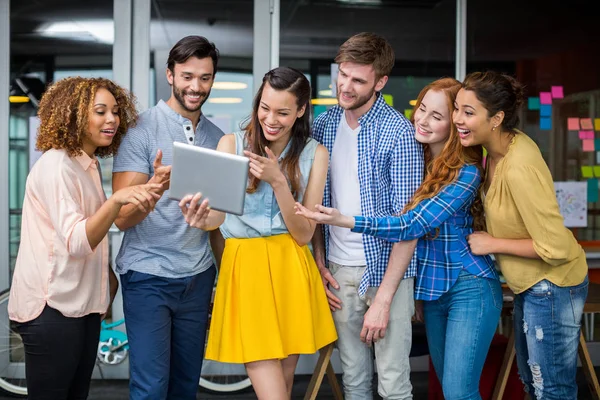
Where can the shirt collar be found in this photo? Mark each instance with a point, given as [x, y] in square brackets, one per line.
[87, 161]
[373, 112]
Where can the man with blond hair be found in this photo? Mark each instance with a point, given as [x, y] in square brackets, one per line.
[375, 167]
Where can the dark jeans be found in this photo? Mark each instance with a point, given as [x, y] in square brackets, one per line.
[166, 323]
[60, 354]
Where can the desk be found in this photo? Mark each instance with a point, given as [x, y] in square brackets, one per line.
[592, 305]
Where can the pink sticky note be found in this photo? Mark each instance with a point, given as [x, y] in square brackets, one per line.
[586, 123]
[557, 92]
[573, 124]
[545, 98]
[588, 145]
[586, 135]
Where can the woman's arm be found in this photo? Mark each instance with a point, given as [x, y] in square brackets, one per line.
[300, 228]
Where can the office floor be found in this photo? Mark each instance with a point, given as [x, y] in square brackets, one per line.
[117, 389]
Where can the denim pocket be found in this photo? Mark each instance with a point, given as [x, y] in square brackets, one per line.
[495, 291]
[578, 296]
[540, 289]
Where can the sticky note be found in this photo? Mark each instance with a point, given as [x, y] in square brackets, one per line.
[597, 124]
[592, 190]
[598, 157]
[586, 123]
[588, 145]
[587, 172]
[389, 99]
[586, 135]
[597, 144]
[545, 98]
[533, 103]
[545, 123]
[557, 92]
[596, 171]
[545, 110]
[408, 112]
[573, 124]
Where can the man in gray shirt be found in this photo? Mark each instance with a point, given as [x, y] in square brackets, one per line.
[166, 266]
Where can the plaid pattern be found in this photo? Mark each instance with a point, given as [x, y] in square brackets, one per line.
[390, 169]
[440, 258]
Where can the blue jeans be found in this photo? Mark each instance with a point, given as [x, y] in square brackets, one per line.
[460, 326]
[547, 323]
[166, 322]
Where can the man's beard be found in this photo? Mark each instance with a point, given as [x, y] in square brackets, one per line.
[180, 97]
[358, 102]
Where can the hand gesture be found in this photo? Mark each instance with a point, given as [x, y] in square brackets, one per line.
[265, 168]
[195, 214]
[162, 173]
[143, 196]
[329, 281]
[375, 323]
[481, 243]
[325, 215]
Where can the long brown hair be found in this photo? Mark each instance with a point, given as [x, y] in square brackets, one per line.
[293, 81]
[444, 169]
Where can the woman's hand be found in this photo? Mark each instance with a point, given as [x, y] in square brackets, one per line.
[265, 168]
[481, 243]
[325, 215]
[143, 196]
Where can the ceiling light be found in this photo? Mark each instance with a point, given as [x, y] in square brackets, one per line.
[412, 103]
[324, 102]
[326, 92]
[229, 85]
[102, 31]
[18, 99]
[225, 100]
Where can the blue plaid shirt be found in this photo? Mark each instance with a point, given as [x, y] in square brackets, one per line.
[390, 169]
[441, 258]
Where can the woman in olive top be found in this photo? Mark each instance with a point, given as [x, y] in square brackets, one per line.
[542, 262]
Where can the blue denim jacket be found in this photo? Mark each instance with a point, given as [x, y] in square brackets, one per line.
[262, 216]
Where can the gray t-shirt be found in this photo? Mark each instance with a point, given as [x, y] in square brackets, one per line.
[163, 244]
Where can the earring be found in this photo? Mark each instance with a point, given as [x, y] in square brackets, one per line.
[494, 127]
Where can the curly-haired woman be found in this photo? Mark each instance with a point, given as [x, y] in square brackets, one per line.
[60, 284]
[461, 292]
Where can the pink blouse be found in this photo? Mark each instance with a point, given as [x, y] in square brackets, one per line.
[56, 265]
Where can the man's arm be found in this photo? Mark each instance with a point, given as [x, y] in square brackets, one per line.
[377, 316]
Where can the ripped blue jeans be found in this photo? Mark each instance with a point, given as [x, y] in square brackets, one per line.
[547, 323]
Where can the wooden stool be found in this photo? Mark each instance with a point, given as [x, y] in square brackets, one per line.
[324, 367]
[592, 305]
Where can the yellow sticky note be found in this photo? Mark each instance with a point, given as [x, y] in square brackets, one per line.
[587, 172]
[597, 124]
[596, 171]
[389, 99]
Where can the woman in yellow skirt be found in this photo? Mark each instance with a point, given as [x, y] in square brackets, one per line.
[270, 305]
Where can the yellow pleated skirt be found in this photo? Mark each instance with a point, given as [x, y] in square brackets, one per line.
[270, 302]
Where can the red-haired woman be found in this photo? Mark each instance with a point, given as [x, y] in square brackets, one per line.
[461, 292]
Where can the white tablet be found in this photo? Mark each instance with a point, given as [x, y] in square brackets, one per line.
[222, 178]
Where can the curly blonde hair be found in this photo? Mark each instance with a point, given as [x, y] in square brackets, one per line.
[64, 110]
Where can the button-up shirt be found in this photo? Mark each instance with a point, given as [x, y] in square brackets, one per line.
[390, 169]
[55, 264]
[442, 224]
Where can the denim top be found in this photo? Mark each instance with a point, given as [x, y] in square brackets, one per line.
[262, 216]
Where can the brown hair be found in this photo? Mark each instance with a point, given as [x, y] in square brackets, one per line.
[497, 92]
[192, 46]
[444, 169]
[368, 48]
[293, 81]
[64, 110]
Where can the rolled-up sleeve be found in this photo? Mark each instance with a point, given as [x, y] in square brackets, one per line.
[535, 200]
